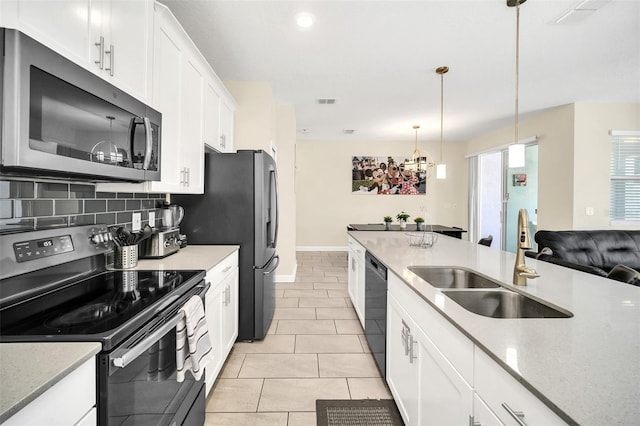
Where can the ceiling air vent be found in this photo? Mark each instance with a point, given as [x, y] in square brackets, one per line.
[326, 101]
[348, 131]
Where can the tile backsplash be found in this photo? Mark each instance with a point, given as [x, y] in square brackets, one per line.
[35, 204]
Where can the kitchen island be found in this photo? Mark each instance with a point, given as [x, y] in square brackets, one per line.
[585, 368]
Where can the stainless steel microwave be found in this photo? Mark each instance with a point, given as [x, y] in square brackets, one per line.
[61, 120]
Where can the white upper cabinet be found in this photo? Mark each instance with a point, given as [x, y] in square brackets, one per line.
[112, 39]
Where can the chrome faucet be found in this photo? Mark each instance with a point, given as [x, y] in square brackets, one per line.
[520, 271]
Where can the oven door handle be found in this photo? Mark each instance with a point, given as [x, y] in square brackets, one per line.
[126, 358]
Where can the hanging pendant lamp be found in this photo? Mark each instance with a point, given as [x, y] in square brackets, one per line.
[516, 151]
[420, 164]
[441, 168]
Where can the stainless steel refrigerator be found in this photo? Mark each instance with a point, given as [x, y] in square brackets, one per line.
[240, 206]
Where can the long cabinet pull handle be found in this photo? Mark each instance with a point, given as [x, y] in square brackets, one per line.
[100, 45]
[518, 416]
[405, 338]
[412, 343]
[111, 53]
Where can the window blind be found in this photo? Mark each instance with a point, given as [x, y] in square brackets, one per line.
[625, 178]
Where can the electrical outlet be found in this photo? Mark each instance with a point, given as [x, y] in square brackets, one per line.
[136, 218]
[152, 219]
[589, 211]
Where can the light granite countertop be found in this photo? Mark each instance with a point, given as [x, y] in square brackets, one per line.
[585, 368]
[27, 370]
[191, 257]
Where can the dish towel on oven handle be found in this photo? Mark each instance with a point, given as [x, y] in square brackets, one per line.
[193, 346]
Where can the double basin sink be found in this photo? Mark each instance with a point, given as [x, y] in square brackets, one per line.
[485, 296]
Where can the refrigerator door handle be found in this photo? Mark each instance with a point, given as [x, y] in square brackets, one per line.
[273, 209]
[269, 270]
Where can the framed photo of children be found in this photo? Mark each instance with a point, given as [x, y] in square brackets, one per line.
[385, 176]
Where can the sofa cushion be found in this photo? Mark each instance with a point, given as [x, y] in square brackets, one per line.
[602, 249]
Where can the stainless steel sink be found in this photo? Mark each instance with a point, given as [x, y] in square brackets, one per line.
[451, 277]
[504, 304]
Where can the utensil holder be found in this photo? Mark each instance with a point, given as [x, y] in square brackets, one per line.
[126, 257]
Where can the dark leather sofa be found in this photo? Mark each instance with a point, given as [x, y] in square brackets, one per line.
[597, 252]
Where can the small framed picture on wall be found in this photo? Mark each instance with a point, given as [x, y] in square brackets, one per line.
[520, 179]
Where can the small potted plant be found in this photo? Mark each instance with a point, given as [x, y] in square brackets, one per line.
[387, 223]
[402, 218]
[419, 223]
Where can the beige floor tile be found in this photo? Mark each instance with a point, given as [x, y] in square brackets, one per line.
[302, 418]
[329, 286]
[365, 344]
[368, 388]
[347, 301]
[246, 419]
[305, 293]
[335, 313]
[300, 394]
[232, 365]
[346, 365]
[338, 293]
[306, 327]
[287, 302]
[321, 302]
[235, 396]
[279, 365]
[298, 285]
[294, 313]
[337, 344]
[271, 344]
[279, 293]
[349, 326]
[318, 277]
[273, 326]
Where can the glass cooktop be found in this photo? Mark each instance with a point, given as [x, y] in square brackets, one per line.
[92, 306]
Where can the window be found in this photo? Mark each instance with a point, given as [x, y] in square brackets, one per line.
[625, 177]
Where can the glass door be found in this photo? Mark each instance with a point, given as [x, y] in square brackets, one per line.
[521, 192]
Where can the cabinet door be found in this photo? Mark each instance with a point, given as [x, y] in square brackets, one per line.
[61, 25]
[166, 95]
[213, 303]
[128, 36]
[402, 371]
[230, 312]
[226, 126]
[445, 397]
[191, 143]
[211, 111]
[360, 285]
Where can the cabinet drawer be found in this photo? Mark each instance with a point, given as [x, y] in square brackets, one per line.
[218, 273]
[454, 345]
[500, 390]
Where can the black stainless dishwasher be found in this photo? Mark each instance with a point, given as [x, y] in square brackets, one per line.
[375, 309]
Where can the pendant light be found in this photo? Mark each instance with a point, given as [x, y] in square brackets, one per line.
[516, 151]
[419, 164]
[441, 169]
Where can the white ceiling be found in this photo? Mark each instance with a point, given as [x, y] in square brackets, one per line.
[378, 60]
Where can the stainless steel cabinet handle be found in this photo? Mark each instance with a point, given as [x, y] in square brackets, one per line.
[472, 422]
[223, 141]
[111, 53]
[133, 353]
[411, 342]
[405, 337]
[518, 416]
[100, 45]
[227, 269]
[227, 296]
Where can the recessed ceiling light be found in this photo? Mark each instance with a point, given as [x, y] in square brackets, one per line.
[305, 19]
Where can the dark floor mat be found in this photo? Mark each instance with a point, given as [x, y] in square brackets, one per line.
[357, 412]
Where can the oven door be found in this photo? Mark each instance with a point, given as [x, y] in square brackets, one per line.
[137, 379]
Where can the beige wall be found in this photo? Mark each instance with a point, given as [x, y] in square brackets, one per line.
[573, 160]
[260, 124]
[325, 204]
[592, 152]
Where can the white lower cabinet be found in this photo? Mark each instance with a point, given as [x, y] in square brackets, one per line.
[71, 401]
[437, 375]
[221, 310]
[427, 388]
[511, 402]
[356, 277]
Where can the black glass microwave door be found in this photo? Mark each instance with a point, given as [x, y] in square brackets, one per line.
[70, 122]
[145, 391]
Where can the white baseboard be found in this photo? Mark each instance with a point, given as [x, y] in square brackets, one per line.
[287, 278]
[322, 248]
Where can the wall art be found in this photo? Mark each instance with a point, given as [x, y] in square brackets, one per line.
[385, 175]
